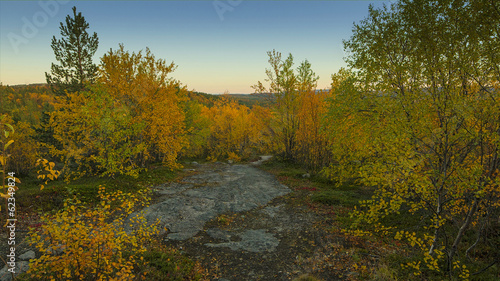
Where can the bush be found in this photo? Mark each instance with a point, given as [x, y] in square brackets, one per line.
[91, 243]
[23, 151]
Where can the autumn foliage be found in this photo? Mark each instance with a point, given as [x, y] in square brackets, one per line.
[426, 112]
[298, 111]
[132, 117]
[235, 130]
[414, 117]
[313, 141]
[99, 243]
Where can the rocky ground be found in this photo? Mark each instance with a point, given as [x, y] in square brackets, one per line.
[242, 224]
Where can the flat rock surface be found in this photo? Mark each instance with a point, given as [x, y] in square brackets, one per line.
[186, 206]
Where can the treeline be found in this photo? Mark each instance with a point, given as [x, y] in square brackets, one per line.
[119, 126]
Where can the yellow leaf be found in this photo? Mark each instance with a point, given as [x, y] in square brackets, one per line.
[7, 144]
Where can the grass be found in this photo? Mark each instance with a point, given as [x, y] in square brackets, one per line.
[31, 198]
[163, 263]
[318, 189]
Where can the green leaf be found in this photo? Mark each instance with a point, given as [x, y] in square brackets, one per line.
[11, 128]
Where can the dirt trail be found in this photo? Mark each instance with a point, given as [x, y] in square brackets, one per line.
[238, 222]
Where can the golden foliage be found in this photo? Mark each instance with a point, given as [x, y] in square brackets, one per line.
[431, 146]
[235, 130]
[132, 117]
[92, 243]
[141, 83]
[312, 142]
[23, 149]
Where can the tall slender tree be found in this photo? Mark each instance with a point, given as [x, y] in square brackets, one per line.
[286, 87]
[74, 52]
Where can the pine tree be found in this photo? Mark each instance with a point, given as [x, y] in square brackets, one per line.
[74, 53]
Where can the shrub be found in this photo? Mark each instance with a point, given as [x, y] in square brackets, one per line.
[91, 243]
[23, 151]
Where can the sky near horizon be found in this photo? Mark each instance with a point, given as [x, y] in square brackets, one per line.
[217, 45]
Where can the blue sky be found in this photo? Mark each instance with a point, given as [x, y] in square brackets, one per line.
[218, 45]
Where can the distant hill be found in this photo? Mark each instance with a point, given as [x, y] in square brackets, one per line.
[263, 99]
[203, 98]
[27, 85]
[253, 99]
[248, 100]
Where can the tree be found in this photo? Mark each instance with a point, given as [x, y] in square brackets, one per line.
[235, 130]
[430, 69]
[74, 53]
[350, 123]
[142, 84]
[96, 135]
[5, 142]
[287, 86]
[130, 118]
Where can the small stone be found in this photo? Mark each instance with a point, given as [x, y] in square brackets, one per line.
[27, 256]
[306, 176]
[195, 163]
[230, 161]
[353, 273]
